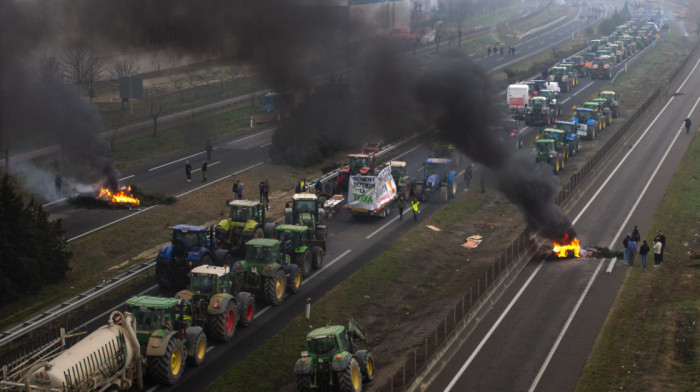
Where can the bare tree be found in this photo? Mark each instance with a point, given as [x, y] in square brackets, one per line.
[94, 72]
[49, 69]
[83, 69]
[154, 98]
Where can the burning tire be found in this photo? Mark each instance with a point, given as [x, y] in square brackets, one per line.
[350, 378]
[246, 309]
[197, 346]
[293, 279]
[366, 361]
[317, 257]
[275, 288]
[167, 369]
[222, 327]
[303, 260]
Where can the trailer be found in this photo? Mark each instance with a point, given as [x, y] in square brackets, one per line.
[371, 195]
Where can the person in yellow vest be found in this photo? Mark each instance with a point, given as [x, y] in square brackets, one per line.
[414, 206]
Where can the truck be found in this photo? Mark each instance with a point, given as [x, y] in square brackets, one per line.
[587, 122]
[332, 362]
[539, 112]
[189, 247]
[245, 221]
[305, 249]
[546, 151]
[153, 338]
[438, 178]
[372, 195]
[268, 270]
[518, 99]
[215, 303]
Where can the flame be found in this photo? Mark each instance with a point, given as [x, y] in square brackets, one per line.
[562, 250]
[124, 196]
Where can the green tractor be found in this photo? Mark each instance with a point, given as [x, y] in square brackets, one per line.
[306, 209]
[597, 109]
[167, 337]
[246, 220]
[268, 269]
[567, 142]
[404, 184]
[306, 251]
[561, 76]
[604, 109]
[215, 302]
[331, 361]
[612, 102]
[546, 151]
[540, 112]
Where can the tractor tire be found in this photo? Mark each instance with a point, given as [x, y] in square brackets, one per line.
[556, 165]
[206, 260]
[200, 349]
[303, 383]
[366, 361]
[350, 378]
[452, 189]
[294, 278]
[443, 193]
[418, 191]
[222, 327]
[163, 278]
[168, 369]
[246, 308]
[562, 160]
[317, 257]
[275, 288]
[303, 260]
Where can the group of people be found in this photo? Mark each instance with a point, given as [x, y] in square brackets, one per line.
[188, 170]
[495, 50]
[631, 246]
[401, 205]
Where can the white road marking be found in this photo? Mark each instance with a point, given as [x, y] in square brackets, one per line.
[582, 88]
[208, 166]
[108, 224]
[249, 136]
[176, 161]
[265, 145]
[409, 151]
[218, 180]
[565, 328]
[127, 177]
[55, 201]
[383, 227]
[493, 329]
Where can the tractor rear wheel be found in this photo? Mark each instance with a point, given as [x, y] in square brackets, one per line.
[443, 193]
[418, 192]
[206, 260]
[200, 349]
[221, 327]
[246, 309]
[303, 383]
[167, 369]
[294, 278]
[556, 165]
[317, 257]
[303, 260]
[366, 361]
[275, 288]
[350, 378]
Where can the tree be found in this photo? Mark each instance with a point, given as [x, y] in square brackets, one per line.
[83, 69]
[154, 97]
[49, 69]
[94, 72]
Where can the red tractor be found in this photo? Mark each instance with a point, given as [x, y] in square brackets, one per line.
[362, 163]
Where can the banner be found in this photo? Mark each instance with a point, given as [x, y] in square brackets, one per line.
[371, 192]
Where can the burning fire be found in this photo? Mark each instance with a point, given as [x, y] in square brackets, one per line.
[124, 196]
[562, 250]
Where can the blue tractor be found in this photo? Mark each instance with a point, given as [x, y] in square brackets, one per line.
[438, 178]
[191, 246]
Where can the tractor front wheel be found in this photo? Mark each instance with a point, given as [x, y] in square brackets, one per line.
[366, 361]
[294, 279]
[443, 193]
[167, 369]
[246, 309]
[303, 260]
[317, 257]
[222, 326]
[350, 378]
[275, 288]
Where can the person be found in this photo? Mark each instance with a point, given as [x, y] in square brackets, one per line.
[631, 250]
[318, 187]
[658, 247]
[625, 251]
[414, 206]
[489, 50]
[188, 171]
[401, 205]
[297, 187]
[209, 148]
[234, 189]
[57, 182]
[662, 239]
[261, 185]
[341, 179]
[635, 234]
[513, 49]
[266, 194]
[687, 125]
[240, 191]
[204, 170]
[327, 188]
[467, 176]
[643, 251]
[304, 186]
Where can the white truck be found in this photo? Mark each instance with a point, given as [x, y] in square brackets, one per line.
[371, 195]
[518, 99]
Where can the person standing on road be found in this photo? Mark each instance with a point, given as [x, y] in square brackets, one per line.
[414, 206]
[501, 50]
[643, 251]
[662, 239]
[467, 176]
[188, 171]
[235, 189]
[209, 148]
[204, 170]
[625, 251]
[687, 125]
[266, 193]
[658, 247]
[240, 191]
[401, 205]
[635, 234]
[631, 250]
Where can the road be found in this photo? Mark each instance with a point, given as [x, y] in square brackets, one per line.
[540, 333]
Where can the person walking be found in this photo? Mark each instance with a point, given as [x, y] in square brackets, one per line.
[662, 239]
[234, 189]
[401, 205]
[209, 148]
[687, 125]
[625, 251]
[414, 206]
[658, 247]
[204, 170]
[631, 250]
[261, 185]
[188, 171]
[643, 251]
[467, 176]
[240, 191]
[635, 234]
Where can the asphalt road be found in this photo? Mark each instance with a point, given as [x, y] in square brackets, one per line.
[557, 308]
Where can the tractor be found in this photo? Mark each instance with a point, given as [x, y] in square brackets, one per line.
[191, 246]
[362, 163]
[404, 184]
[604, 109]
[568, 140]
[268, 269]
[306, 209]
[571, 72]
[167, 337]
[572, 137]
[215, 303]
[561, 76]
[587, 121]
[552, 101]
[613, 102]
[306, 252]
[602, 67]
[597, 107]
[546, 151]
[438, 177]
[246, 220]
[539, 112]
[332, 362]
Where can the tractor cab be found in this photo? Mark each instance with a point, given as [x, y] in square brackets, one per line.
[436, 170]
[538, 104]
[153, 314]
[187, 238]
[362, 163]
[303, 210]
[567, 126]
[246, 220]
[584, 115]
[209, 280]
[591, 105]
[292, 236]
